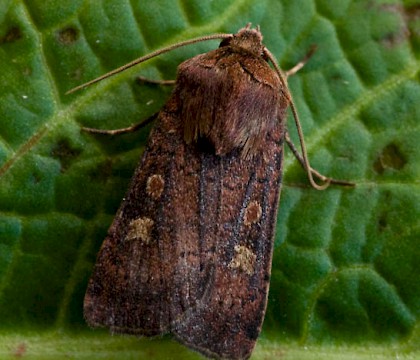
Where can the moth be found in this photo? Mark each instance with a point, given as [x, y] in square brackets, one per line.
[190, 249]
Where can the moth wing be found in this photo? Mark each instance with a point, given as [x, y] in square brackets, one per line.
[237, 212]
[189, 251]
[148, 269]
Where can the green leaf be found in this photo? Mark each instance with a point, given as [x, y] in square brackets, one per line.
[345, 267]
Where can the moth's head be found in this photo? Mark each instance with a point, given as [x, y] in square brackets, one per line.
[246, 39]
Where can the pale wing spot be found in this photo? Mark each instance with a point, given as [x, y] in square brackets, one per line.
[253, 213]
[140, 228]
[154, 186]
[244, 259]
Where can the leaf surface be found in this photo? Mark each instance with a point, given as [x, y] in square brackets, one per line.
[345, 268]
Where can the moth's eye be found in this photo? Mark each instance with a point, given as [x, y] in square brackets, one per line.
[225, 42]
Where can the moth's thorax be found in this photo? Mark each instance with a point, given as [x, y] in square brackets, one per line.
[230, 97]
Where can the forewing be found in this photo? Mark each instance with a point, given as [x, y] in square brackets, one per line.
[148, 268]
[238, 207]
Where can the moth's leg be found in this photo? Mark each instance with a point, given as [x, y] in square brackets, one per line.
[142, 80]
[313, 171]
[301, 63]
[126, 130]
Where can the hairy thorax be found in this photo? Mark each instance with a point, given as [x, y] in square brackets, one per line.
[229, 98]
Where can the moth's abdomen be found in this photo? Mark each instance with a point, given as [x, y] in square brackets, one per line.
[219, 99]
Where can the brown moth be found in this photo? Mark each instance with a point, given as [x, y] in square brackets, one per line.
[189, 251]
